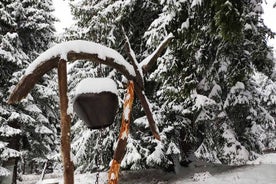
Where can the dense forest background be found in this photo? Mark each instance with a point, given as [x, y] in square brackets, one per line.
[213, 91]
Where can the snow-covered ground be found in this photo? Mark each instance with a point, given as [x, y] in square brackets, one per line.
[260, 171]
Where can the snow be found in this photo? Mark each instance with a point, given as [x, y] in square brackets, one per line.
[142, 121]
[8, 131]
[8, 153]
[157, 155]
[186, 24]
[4, 171]
[263, 173]
[43, 130]
[247, 26]
[113, 176]
[201, 100]
[264, 159]
[201, 176]
[238, 86]
[132, 156]
[147, 59]
[96, 85]
[216, 91]
[80, 46]
[3, 144]
[196, 2]
[233, 149]
[126, 112]
[172, 149]
[124, 135]
[32, 108]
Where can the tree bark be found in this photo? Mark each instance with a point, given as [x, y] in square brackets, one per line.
[113, 174]
[140, 94]
[68, 168]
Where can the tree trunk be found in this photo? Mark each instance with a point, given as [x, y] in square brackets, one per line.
[68, 168]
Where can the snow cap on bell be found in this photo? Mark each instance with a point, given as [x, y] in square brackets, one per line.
[96, 85]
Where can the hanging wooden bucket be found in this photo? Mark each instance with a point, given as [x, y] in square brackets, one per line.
[96, 102]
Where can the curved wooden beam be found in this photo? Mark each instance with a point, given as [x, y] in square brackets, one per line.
[28, 81]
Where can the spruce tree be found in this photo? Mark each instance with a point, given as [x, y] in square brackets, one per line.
[202, 91]
[216, 61]
[102, 22]
[28, 130]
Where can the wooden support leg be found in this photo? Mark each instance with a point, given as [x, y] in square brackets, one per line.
[68, 170]
[140, 94]
[113, 174]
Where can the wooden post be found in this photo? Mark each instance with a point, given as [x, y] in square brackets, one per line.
[68, 168]
[113, 174]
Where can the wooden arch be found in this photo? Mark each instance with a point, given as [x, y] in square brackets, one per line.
[59, 55]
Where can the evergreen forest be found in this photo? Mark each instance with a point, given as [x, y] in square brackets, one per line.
[212, 91]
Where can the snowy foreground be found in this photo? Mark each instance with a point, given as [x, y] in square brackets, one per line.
[261, 171]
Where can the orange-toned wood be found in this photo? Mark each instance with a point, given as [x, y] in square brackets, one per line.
[113, 174]
[68, 167]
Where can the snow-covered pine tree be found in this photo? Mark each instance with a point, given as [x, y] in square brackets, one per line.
[35, 26]
[28, 130]
[195, 82]
[101, 21]
[268, 94]
[212, 58]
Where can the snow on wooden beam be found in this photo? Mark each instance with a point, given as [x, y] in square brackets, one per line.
[70, 51]
[149, 61]
[80, 46]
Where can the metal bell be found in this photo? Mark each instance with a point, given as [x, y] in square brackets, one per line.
[98, 105]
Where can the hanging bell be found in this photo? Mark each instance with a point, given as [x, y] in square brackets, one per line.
[96, 102]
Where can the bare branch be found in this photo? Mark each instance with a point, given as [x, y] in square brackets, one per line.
[149, 61]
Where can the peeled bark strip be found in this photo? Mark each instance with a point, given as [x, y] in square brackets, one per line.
[119, 153]
[68, 170]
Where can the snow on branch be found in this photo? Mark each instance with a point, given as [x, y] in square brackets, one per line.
[4, 171]
[149, 61]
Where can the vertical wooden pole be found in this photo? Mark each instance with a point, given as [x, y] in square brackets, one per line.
[113, 174]
[68, 168]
